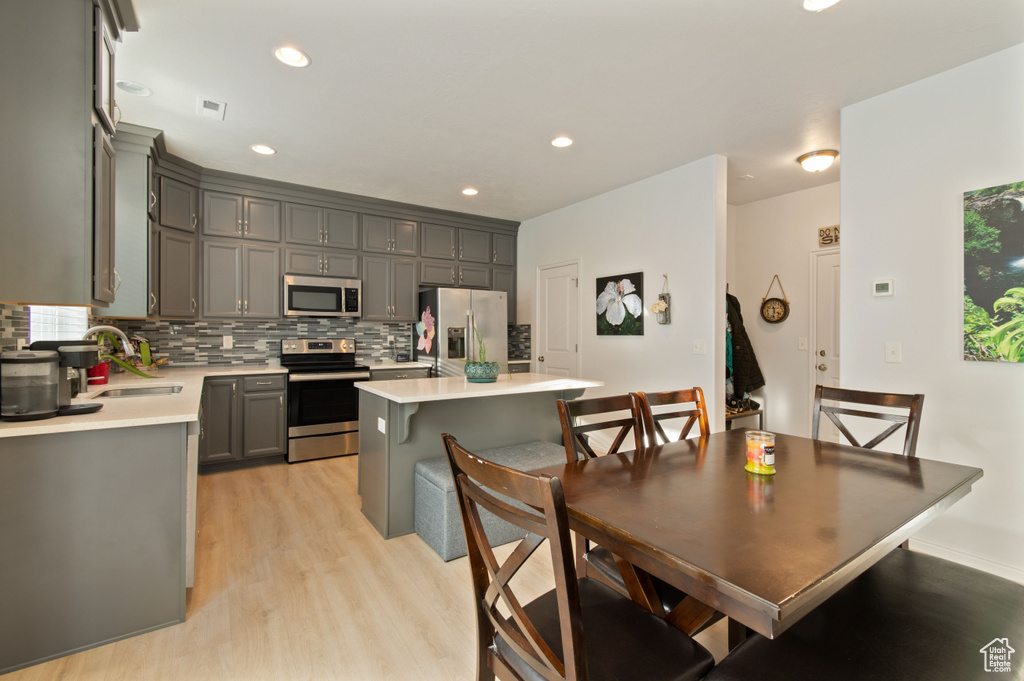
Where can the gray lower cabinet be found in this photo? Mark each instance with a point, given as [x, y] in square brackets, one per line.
[178, 275]
[321, 262]
[179, 204]
[390, 289]
[241, 280]
[504, 279]
[242, 418]
[234, 215]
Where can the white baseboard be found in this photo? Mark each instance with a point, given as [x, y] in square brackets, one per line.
[1011, 572]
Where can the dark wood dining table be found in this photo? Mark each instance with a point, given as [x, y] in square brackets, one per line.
[763, 550]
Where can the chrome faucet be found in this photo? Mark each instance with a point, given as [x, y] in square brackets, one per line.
[125, 343]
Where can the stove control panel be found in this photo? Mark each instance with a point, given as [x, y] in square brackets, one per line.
[302, 346]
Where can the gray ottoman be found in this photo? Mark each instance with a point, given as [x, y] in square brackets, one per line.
[436, 515]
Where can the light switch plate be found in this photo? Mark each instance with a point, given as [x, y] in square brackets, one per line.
[700, 346]
[380, 425]
[893, 352]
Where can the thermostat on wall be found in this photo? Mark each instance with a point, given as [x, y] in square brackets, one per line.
[885, 287]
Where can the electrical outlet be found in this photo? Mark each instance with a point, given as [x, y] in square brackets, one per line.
[229, 342]
[700, 346]
[893, 352]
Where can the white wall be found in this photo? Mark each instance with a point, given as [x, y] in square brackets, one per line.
[673, 223]
[908, 157]
[769, 237]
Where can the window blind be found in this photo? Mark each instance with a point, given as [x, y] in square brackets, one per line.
[51, 322]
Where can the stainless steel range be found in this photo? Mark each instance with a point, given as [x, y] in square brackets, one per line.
[323, 403]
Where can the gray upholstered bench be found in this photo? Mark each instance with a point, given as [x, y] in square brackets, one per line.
[436, 513]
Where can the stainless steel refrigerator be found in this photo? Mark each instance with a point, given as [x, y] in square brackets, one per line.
[452, 320]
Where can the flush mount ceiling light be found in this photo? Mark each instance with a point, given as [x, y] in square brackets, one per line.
[818, 5]
[469, 191]
[263, 149]
[133, 88]
[561, 142]
[816, 161]
[292, 57]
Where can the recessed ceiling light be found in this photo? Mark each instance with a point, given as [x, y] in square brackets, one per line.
[561, 142]
[133, 88]
[263, 149]
[469, 191]
[816, 161]
[292, 56]
[818, 5]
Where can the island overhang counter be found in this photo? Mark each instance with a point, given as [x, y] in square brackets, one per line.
[401, 422]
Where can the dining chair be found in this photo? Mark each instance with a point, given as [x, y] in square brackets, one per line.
[583, 417]
[910, 616]
[580, 630]
[697, 413]
[909, 414]
[580, 418]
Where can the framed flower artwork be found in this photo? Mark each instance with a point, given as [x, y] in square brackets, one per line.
[620, 305]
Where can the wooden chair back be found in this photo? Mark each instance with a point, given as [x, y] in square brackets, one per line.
[581, 418]
[695, 413]
[543, 516]
[911, 417]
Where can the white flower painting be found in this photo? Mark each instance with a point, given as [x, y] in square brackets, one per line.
[620, 307]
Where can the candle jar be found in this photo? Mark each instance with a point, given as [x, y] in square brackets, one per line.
[760, 452]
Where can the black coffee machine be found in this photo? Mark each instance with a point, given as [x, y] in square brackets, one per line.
[75, 357]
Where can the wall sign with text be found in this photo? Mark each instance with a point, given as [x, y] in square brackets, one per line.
[828, 236]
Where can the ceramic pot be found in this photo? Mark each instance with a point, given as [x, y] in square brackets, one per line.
[482, 372]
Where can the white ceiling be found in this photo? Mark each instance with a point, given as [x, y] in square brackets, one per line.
[413, 100]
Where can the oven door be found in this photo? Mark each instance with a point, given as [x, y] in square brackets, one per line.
[323, 403]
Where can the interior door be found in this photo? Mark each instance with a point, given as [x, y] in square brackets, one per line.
[826, 330]
[558, 320]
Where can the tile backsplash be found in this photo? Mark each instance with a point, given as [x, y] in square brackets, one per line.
[255, 342]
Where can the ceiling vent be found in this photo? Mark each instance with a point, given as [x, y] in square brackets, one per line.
[210, 108]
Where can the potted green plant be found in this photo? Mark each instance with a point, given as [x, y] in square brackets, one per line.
[482, 371]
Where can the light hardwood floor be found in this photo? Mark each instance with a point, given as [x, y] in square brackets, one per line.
[292, 582]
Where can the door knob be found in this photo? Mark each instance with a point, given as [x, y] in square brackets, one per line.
[540, 359]
[822, 367]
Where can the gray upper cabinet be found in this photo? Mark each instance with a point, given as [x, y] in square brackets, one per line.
[241, 280]
[47, 209]
[437, 241]
[324, 262]
[179, 205]
[389, 235]
[504, 279]
[474, 246]
[104, 182]
[390, 291]
[303, 224]
[241, 216]
[473, 276]
[177, 296]
[434, 273]
[341, 229]
[314, 226]
[503, 250]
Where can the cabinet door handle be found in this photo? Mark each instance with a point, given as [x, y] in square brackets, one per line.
[280, 402]
[193, 304]
[461, 251]
[453, 251]
[245, 227]
[247, 307]
[238, 228]
[264, 382]
[460, 277]
[494, 256]
[327, 265]
[239, 307]
[152, 302]
[152, 200]
[453, 276]
[327, 235]
[195, 220]
[116, 276]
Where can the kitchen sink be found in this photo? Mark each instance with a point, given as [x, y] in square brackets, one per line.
[138, 390]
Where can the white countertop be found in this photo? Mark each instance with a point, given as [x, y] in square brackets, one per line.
[143, 410]
[457, 388]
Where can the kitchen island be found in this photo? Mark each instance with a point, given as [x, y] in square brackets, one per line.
[99, 517]
[401, 422]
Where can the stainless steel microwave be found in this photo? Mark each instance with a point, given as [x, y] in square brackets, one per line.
[322, 297]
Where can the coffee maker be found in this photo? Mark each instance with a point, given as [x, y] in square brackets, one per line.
[75, 357]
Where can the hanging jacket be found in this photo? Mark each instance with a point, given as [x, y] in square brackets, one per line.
[746, 374]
